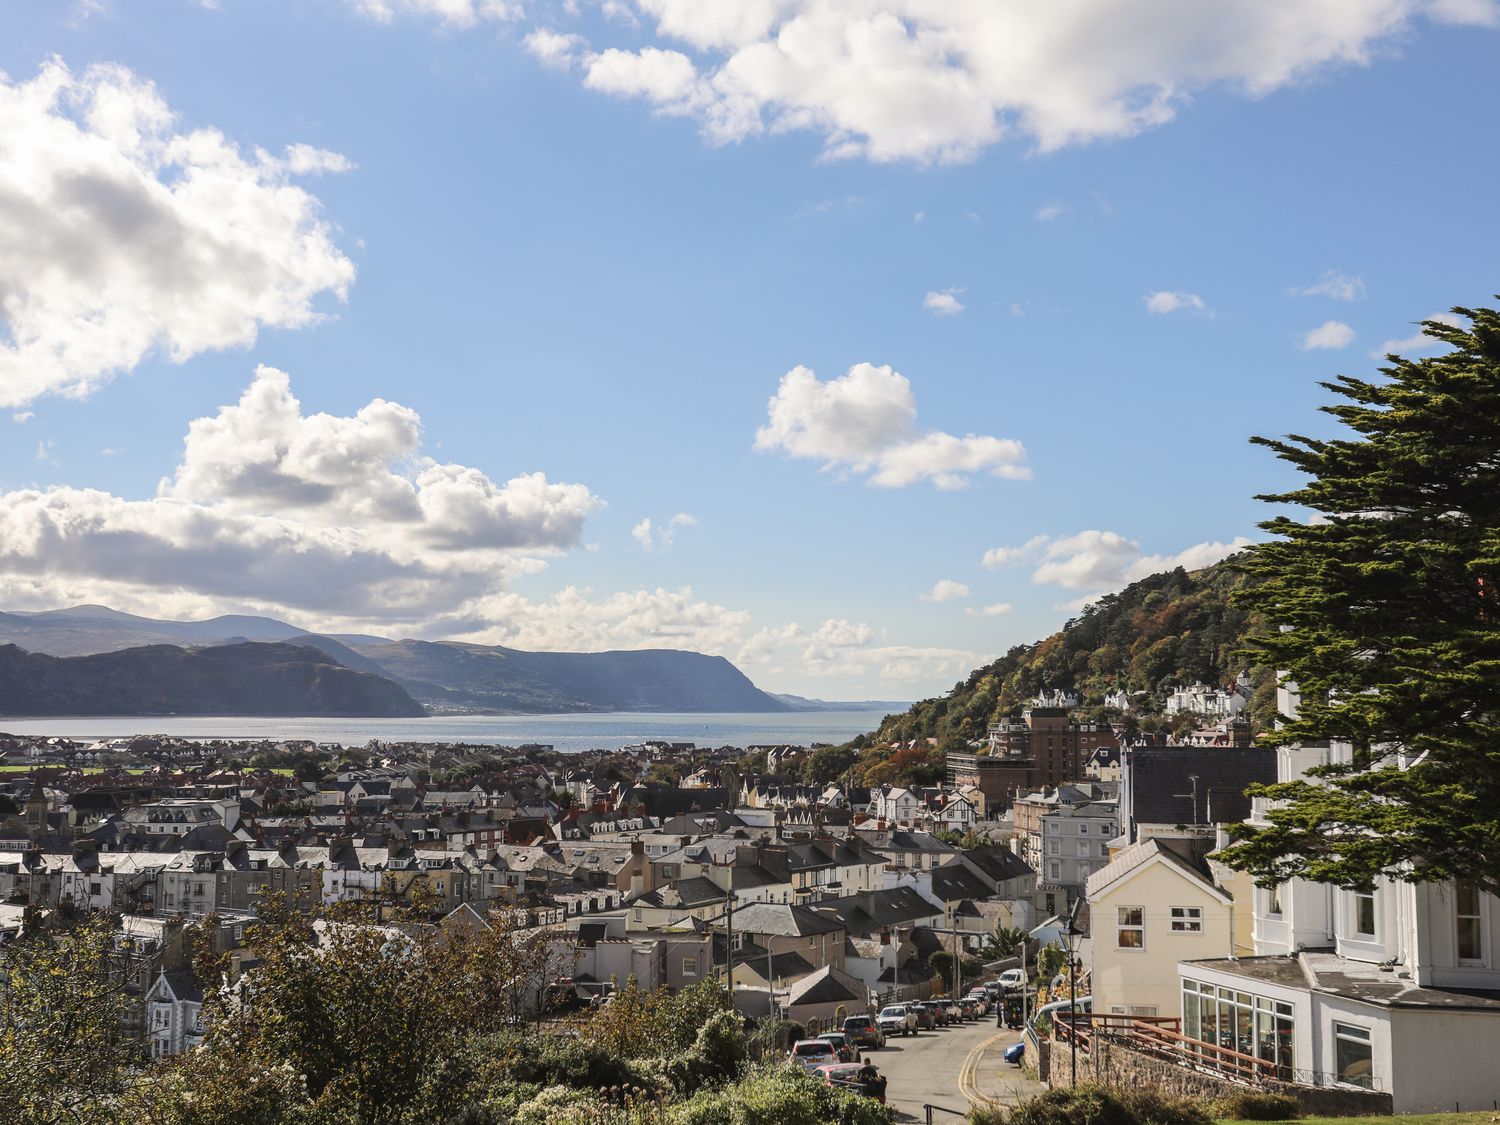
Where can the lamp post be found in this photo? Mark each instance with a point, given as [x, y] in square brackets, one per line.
[1073, 992]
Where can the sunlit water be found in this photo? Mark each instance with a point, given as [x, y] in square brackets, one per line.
[568, 733]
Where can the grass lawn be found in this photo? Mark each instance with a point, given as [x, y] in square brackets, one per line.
[1481, 1117]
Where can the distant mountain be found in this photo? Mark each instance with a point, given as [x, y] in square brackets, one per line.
[250, 678]
[83, 630]
[506, 680]
[446, 675]
[802, 703]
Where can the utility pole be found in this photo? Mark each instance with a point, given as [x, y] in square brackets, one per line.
[729, 939]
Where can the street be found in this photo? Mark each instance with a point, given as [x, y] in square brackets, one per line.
[930, 1069]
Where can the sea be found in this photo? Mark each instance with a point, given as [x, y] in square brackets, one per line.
[565, 733]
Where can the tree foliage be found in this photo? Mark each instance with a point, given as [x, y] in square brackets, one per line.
[1389, 602]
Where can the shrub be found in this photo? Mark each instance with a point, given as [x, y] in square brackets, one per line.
[1095, 1105]
[1247, 1105]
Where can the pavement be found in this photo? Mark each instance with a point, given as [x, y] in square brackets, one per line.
[950, 1069]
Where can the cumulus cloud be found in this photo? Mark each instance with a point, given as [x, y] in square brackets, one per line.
[1049, 211]
[1419, 343]
[846, 648]
[943, 302]
[1164, 301]
[650, 535]
[996, 610]
[1004, 556]
[1329, 334]
[1335, 285]
[122, 235]
[21, 417]
[946, 590]
[272, 509]
[1105, 560]
[941, 80]
[1101, 560]
[865, 422]
[554, 49]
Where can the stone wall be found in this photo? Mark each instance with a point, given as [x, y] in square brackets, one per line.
[1118, 1064]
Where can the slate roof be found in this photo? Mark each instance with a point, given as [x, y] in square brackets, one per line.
[1161, 792]
[782, 920]
[827, 986]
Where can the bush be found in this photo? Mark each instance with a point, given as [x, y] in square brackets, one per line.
[1247, 1105]
[781, 1095]
[1096, 1105]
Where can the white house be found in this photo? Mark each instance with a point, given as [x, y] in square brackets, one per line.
[1396, 989]
[174, 1014]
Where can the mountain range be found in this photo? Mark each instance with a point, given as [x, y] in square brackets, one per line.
[440, 675]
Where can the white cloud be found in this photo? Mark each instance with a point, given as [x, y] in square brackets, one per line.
[844, 648]
[449, 13]
[21, 417]
[1164, 301]
[649, 534]
[940, 80]
[995, 610]
[865, 422]
[44, 451]
[920, 216]
[553, 49]
[122, 236]
[1419, 343]
[1104, 560]
[272, 510]
[1049, 211]
[668, 79]
[575, 621]
[943, 302]
[1004, 556]
[1336, 285]
[1329, 334]
[946, 590]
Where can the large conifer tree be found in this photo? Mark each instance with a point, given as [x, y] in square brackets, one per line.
[1389, 602]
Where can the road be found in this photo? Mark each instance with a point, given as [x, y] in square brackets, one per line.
[926, 1069]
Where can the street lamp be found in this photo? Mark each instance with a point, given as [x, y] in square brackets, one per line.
[1073, 935]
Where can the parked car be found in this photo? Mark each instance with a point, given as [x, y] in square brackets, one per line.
[897, 1019]
[955, 1012]
[863, 1031]
[859, 1078]
[972, 1009]
[926, 1020]
[1015, 1051]
[939, 1012]
[1012, 980]
[812, 1053]
[842, 1047]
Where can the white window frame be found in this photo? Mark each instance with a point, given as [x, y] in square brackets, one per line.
[1187, 919]
[1123, 926]
[1275, 908]
[1355, 898]
[1353, 1033]
[690, 966]
[1478, 920]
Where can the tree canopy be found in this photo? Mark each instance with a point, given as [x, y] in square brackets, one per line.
[1388, 601]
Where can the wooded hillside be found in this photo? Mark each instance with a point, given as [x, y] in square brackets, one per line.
[1169, 628]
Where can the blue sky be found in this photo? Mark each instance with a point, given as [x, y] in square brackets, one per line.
[536, 272]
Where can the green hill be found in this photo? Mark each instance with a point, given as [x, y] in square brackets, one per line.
[1170, 628]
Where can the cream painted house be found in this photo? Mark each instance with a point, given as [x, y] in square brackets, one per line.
[1150, 908]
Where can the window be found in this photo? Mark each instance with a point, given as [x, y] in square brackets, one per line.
[1054, 871]
[1130, 927]
[1083, 829]
[1352, 1055]
[1364, 913]
[690, 966]
[1470, 933]
[1187, 919]
[1083, 848]
[1273, 900]
[1054, 845]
